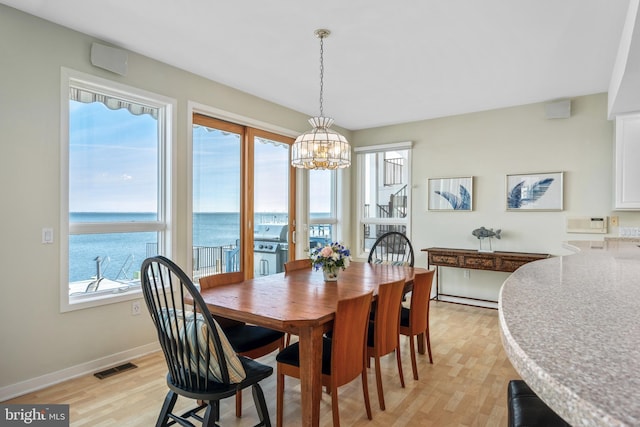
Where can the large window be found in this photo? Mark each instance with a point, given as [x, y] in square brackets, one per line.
[384, 192]
[115, 170]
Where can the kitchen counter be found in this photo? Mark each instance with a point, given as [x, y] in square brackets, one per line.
[571, 327]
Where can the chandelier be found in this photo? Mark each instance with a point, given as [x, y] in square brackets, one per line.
[321, 147]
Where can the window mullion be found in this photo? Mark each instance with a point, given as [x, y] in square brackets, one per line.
[115, 227]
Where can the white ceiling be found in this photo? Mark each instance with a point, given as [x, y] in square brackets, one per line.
[386, 62]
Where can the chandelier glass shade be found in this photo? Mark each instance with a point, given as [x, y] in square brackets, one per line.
[321, 147]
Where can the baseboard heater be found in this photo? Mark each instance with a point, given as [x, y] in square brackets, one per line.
[115, 370]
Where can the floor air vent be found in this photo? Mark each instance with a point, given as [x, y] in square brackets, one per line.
[115, 370]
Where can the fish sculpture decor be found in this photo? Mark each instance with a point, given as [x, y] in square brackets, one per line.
[486, 233]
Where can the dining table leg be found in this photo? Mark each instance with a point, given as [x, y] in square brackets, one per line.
[310, 339]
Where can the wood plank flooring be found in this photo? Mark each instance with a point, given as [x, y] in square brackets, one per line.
[465, 386]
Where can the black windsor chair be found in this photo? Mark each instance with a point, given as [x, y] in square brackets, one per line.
[202, 364]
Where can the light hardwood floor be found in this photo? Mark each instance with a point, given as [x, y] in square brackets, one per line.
[465, 386]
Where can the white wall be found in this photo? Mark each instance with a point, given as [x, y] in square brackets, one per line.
[488, 145]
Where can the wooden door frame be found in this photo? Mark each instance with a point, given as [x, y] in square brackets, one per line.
[249, 196]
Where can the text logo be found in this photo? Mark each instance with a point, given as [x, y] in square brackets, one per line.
[34, 415]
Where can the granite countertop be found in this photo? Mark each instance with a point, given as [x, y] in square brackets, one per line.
[571, 327]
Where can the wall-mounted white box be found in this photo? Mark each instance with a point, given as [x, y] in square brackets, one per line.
[588, 225]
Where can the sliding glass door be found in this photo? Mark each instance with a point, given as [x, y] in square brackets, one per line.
[272, 202]
[217, 196]
[242, 199]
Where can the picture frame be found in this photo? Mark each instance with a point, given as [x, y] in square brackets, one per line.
[534, 191]
[450, 194]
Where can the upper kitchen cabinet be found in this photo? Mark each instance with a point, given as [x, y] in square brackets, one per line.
[624, 87]
[627, 158]
[624, 107]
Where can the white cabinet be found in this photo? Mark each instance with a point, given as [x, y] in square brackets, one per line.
[627, 162]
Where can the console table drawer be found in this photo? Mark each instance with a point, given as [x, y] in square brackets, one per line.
[479, 263]
[444, 260]
[512, 264]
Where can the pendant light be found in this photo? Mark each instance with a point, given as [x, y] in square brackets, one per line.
[321, 147]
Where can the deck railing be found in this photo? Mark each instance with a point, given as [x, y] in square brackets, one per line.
[209, 260]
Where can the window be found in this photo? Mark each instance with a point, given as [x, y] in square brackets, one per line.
[384, 192]
[115, 167]
[323, 218]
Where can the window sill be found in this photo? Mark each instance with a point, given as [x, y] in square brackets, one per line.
[96, 299]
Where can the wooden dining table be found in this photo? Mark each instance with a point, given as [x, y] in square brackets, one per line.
[303, 304]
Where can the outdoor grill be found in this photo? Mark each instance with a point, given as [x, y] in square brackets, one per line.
[270, 248]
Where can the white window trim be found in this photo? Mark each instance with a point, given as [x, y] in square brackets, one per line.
[407, 145]
[167, 208]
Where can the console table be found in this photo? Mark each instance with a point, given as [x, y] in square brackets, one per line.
[466, 258]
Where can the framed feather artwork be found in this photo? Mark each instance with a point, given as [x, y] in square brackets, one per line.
[450, 194]
[535, 192]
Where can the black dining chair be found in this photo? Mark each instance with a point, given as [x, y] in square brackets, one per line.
[393, 248]
[202, 363]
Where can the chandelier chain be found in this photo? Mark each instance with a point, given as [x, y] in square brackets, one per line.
[321, 147]
[321, 74]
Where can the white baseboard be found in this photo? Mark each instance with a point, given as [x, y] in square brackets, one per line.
[37, 383]
[469, 301]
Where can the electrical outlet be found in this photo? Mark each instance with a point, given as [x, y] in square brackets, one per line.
[136, 308]
[614, 221]
[466, 274]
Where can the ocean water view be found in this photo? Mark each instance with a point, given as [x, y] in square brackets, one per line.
[121, 254]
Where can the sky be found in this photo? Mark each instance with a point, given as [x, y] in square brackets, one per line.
[112, 160]
[113, 166]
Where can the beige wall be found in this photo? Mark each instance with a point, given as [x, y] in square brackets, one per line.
[36, 338]
[488, 145]
[40, 344]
